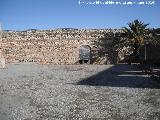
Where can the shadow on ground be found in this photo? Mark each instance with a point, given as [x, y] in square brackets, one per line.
[121, 75]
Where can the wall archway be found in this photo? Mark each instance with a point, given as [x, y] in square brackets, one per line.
[85, 54]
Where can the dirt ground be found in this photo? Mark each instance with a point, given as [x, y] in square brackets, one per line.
[30, 91]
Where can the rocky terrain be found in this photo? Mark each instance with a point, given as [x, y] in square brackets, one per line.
[31, 91]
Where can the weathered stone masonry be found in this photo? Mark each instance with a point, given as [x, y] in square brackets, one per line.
[60, 46]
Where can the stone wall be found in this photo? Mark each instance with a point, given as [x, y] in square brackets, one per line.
[60, 46]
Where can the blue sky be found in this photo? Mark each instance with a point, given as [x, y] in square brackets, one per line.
[51, 14]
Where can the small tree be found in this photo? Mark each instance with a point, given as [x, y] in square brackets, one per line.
[155, 33]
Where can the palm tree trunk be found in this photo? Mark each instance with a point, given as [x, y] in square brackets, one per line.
[136, 47]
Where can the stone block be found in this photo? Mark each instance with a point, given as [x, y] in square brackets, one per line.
[2, 62]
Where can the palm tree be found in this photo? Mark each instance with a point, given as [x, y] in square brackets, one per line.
[135, 35]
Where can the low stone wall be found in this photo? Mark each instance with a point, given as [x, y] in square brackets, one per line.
[59, 46]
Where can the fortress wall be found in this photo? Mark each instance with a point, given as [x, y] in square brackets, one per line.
[59, 46]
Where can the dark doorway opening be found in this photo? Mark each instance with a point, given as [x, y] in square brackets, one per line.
[84, 54]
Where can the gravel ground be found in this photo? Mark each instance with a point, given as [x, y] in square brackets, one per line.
[31, 91]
